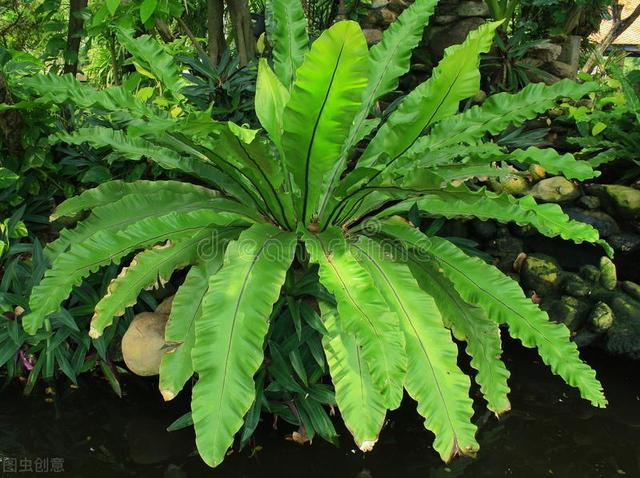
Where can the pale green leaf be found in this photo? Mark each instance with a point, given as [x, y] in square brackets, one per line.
[324, 99]
[456, 78]
[230, 333]
[433, 377]
[362, 312]
[361, 404]
[289, 38]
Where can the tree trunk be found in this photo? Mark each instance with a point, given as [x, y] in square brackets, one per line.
[618, 27]
[164, 31]
[242, 30]
[115, 67]
[215, 29]
[192, 37]
[73, 36]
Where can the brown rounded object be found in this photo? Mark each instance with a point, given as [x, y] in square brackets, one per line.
[142, 343]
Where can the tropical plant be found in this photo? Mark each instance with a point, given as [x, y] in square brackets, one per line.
[63, 346]
[506, 67]
[606, 128]
[293, 209]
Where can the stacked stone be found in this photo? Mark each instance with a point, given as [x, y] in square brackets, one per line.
[450, 24]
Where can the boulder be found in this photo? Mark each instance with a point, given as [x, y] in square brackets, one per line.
[605, 224]
[372, 35]
[441, 37]
[620, 201]
[537, 172]
[540, 273]
[143, 342]
[546, 51]
[444, 19]
[388, 16]
[561, 69]
[165, 306]
[511, 183]
[555, 189]
[473, 9]
[399, 5]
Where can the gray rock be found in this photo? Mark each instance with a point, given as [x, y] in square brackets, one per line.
[605, 224]
[379, 3]
[561, 69]
[546, 51]
[444, 19]
[540, 273]
[625, 242]
[608, 276]
[473, 9]
[555, 189]
[441, 37]
[372, 35]
[620, 201]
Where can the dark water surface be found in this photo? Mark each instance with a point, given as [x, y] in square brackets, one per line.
[549, 433]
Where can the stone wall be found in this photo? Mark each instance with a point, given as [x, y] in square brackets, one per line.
[450, 24]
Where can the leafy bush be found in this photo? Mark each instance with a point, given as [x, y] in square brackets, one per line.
[305, 211]
[608, 126]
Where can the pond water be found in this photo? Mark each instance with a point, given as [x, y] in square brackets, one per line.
[549, 433]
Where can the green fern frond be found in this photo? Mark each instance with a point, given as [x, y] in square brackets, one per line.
[150, 268]
[176, 366]
[104, 248]
[362, 312]
[361, 404]
[230, 333]
[470, 324]
[433, 378]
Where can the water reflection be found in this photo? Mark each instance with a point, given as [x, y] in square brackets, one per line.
[551, 432]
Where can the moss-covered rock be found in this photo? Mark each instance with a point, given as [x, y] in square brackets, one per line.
[576, 286]
[590, 273]
[601, 317]
[540, 273]
[621, 201]
[632, 289]
[568, 310]
[603, 222]
[556, 189]
[512, 184]
[623, 338]
[608, 276]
